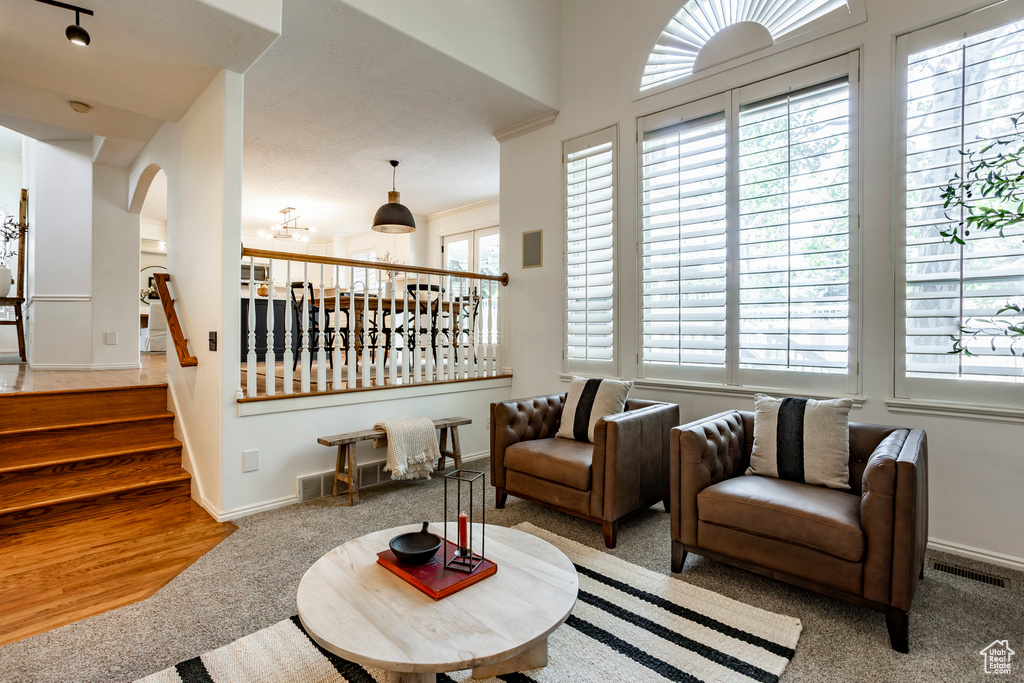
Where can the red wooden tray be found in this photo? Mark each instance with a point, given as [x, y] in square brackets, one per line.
[432, 578]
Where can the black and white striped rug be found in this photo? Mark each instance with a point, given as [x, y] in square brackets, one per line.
[629, 624]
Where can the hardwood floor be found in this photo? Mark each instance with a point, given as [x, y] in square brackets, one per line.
[95, 507]
[19, 377]
[73, 567]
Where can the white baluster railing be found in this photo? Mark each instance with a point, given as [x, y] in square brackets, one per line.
[424, 326]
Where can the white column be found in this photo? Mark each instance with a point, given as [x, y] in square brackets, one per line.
[321, 352]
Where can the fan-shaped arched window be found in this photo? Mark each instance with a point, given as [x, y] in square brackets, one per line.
[704, 34]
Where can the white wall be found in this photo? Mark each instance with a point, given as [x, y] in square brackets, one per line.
[10, 200]
[115, 270]
[513, 41]
[485, 214]
[59, 264]
[975, 467]
[202, 157]
[288, 446]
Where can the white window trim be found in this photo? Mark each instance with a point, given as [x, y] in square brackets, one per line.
[779, 382]
[923, 396]
[610, 369]
[858, 15]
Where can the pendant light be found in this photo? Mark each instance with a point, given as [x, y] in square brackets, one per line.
[394, 217]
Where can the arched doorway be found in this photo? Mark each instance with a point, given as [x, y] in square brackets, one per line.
[150, 200]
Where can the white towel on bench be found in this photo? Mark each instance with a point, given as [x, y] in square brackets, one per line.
[412, 447]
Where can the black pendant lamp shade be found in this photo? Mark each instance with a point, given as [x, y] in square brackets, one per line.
[394, 217]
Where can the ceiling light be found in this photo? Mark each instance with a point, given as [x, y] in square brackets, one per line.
[394, 217]
[79, 107]
[75, 33]
[289, 228]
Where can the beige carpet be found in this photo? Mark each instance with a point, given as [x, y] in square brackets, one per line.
[249, 581]
[629, 624]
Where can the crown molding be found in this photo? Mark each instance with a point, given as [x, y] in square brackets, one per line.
[465, 207]
[536, 123]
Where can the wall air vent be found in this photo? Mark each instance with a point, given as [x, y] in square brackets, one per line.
[969, 574]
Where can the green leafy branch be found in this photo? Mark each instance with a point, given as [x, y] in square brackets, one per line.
[988, 198]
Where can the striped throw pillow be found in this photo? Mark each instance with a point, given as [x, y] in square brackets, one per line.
[801, 439]
[587, 402]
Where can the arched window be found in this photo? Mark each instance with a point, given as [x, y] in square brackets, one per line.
[705, 34]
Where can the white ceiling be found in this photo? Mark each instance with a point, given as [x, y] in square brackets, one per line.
[338, 95]
[147, 63]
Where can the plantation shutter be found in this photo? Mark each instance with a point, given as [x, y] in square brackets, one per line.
[959, 93]
[683, 201]
[589, 253]
[794, 231]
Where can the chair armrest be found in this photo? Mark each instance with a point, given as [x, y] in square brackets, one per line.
[631, 459]
[878, 491]
[910, 536]
[702, 453]
[518, 420]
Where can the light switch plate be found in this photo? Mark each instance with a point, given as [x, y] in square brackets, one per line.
[110, 338]
[250, 460]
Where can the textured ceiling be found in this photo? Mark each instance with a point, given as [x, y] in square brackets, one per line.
[338, 95]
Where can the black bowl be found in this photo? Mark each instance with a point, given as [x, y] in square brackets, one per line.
[416, 547]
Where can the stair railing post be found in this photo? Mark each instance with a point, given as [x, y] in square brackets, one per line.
[336, 347]
[353, 318]
[270, 359]
[321, 352]
[306, 359]
[250, 358]
[289, 353]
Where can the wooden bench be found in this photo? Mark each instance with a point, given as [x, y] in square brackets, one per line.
[347, 471]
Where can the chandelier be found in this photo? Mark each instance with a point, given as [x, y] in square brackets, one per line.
[288, 229]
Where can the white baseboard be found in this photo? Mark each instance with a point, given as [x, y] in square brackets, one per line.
[246, 510]
[1009, 561]
[84, 366]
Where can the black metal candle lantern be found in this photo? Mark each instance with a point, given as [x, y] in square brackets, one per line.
[463, 558]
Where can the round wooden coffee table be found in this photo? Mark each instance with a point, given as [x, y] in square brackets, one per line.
[359, 610]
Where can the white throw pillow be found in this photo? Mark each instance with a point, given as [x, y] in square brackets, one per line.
[587, 402]
[801, 439]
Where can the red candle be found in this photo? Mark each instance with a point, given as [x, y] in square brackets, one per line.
[462, 529]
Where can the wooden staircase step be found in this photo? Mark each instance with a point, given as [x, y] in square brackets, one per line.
[102, 512]
[26, 461]
[50, 408]
[19, 493]
[109, 464]
[89, 439]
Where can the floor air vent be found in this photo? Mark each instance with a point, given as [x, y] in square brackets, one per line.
[969, 574]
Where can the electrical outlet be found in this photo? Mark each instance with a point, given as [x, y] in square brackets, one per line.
[250, 460]
[110, 338]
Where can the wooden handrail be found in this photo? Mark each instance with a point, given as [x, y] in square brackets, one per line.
[185, 359]
[331, 261]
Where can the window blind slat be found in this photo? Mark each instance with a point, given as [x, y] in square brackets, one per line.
[589, 241]
[959, 94]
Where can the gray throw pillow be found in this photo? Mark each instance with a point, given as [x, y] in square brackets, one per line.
[801, 439]
[587, 402]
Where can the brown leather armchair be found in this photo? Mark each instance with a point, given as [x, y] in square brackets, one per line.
[865, 546]
[624, 470]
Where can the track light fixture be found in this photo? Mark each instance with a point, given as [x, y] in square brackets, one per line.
[75, 33]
